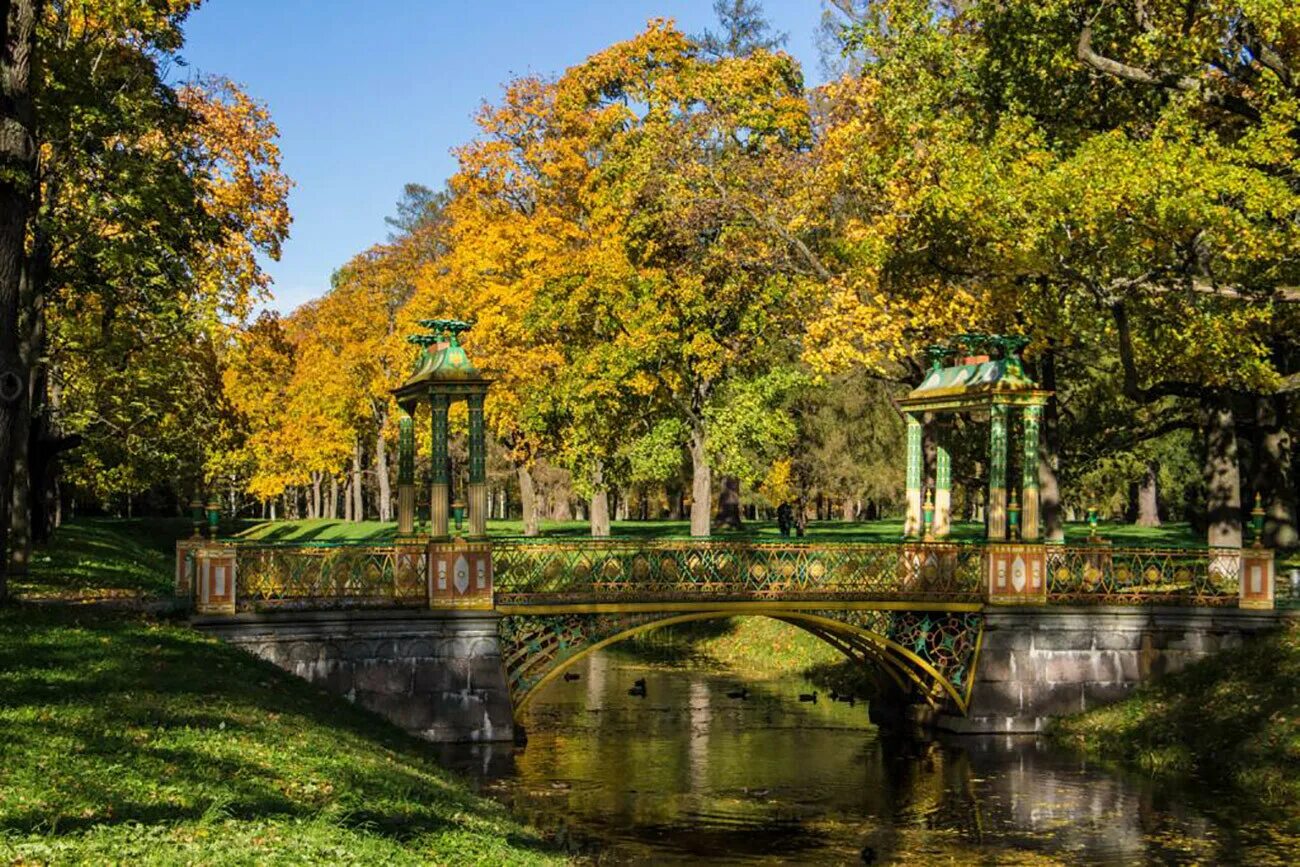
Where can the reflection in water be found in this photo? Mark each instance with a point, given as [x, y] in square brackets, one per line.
[687, 773]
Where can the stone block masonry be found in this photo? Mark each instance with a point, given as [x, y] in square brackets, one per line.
[437, 674]
[1041, 662]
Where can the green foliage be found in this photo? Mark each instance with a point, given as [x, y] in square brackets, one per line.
[751, 424]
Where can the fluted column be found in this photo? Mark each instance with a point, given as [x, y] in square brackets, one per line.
[441, 488]
[477, 500]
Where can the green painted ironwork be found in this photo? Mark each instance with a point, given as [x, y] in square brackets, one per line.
[1106, 575]
[1286, 588]
[477, 440]
[998, 448]
[405, 449]
[438, 457]
[321, 577]
[939, 648]
[1029, 451]
[614, 570]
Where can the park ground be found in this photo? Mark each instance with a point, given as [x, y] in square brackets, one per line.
[127, 737]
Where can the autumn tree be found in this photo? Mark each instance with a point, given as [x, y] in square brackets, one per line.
[156, 202]
[1060, 192]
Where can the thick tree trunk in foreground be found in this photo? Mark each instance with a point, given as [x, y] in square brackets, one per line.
[1148, 497]
[381, 472]
[729, 504]
[701, 485]
[849, 509]
[332, 507]
[1222, 476]
[17, 194]
[527, 499]
[599, 510]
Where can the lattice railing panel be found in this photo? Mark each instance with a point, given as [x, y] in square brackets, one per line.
[321, 577]
[534, 647]
[1099, 573]
[551, 571]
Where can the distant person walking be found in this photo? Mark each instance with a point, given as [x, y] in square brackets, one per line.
[784, 518]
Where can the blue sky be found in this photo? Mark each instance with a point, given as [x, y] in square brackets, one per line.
[371, 94]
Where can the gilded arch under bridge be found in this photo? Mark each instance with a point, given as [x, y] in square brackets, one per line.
[931, 653]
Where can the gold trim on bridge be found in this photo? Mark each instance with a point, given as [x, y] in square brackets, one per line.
[756, 606]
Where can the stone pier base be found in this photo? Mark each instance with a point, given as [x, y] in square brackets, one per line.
[437, 674]
[1041, 662]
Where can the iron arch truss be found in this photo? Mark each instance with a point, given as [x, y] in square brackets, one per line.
[933, 651]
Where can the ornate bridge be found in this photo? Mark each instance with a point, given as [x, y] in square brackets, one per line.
[913, 612]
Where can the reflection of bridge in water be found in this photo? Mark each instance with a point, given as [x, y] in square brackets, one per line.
[915, 614]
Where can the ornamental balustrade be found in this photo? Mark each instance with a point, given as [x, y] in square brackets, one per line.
[245, 575]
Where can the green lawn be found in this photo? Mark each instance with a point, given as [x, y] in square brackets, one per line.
[127, 739]
[1234, 716]
[328, 530]
[105, 557]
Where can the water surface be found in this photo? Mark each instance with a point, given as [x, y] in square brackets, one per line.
[687, 774]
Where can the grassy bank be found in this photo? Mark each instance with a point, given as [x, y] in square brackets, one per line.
[1234, 717]
[126, 739]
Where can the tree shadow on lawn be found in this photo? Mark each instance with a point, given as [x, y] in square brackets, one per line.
[109, 718]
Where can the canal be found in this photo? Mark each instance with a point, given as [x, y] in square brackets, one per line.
[688, 773]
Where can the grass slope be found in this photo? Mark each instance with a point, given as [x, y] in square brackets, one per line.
[105, 557]
[1234, 717]
[126, 739]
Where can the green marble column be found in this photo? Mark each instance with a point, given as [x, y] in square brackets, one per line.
[915, 474]
[997, 500]
[1029, 515]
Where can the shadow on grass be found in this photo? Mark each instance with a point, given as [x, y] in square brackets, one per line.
[109, 718]
[1233, 717]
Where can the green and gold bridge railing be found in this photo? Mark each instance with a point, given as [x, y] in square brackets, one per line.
[914, 610]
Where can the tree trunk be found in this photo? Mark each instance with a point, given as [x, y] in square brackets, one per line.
[381, 471]
[599, 511]
[729, 504]
[1049, 457]
[527, 499]
[314, 504]
[18, 189]
[850, 509]
[701, 484]
[20, 514]
[1148, 501]
[1222, 476]
[358, 503]
[1273, 478]
[674, 494]
[332, 507]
